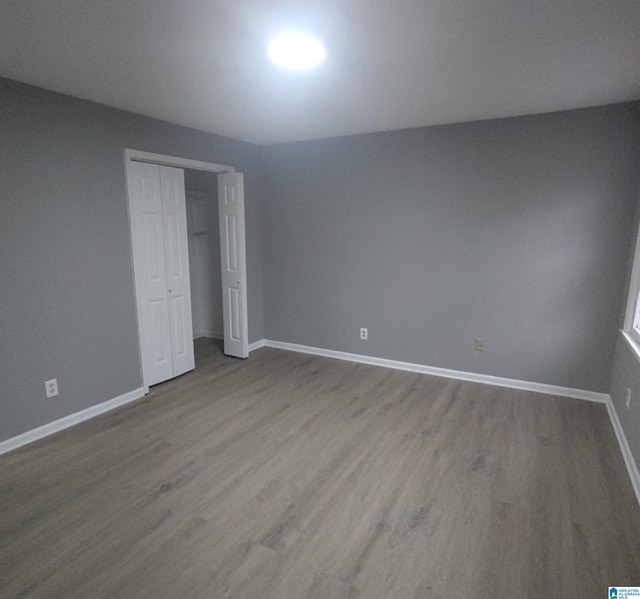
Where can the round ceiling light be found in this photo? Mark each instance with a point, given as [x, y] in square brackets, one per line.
[296, 51]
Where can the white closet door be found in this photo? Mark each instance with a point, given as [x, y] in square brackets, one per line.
[177, 267]
[233, 263]
[145, 205]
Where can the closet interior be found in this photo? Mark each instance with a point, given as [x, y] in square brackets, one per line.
[204, 253]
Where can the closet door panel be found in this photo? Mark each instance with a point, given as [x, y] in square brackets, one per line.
[233, 264]
[148, 242]
[177, 268]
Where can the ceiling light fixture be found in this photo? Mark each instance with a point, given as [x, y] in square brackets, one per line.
[296, 51]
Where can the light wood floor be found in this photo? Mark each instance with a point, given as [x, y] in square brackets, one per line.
[295, 477]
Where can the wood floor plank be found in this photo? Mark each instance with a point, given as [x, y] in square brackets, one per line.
[291, 476]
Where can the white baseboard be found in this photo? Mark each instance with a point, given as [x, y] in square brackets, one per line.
[256, 345]
[252, 346]
[460, 375]
[208, 335]
[69, 421]
[632, 467]
[220, 337]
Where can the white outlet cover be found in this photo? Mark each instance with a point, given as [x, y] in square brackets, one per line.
[51, 387]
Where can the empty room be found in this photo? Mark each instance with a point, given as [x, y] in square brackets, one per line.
[319, 300]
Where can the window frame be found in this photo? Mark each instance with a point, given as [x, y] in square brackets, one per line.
[631, 328]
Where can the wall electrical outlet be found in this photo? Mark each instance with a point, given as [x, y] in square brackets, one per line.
[627, 401]
[479, 344]
[364, 334]
[51, 387]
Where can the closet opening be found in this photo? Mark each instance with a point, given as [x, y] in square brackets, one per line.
[189, 260]
[203, 232]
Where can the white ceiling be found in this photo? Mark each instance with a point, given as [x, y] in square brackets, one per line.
[391, 63]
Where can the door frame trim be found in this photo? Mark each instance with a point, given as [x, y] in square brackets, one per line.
[131, 155]
[165, 160]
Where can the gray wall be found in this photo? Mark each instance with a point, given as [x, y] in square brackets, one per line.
[514, 230]
[67, 301]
